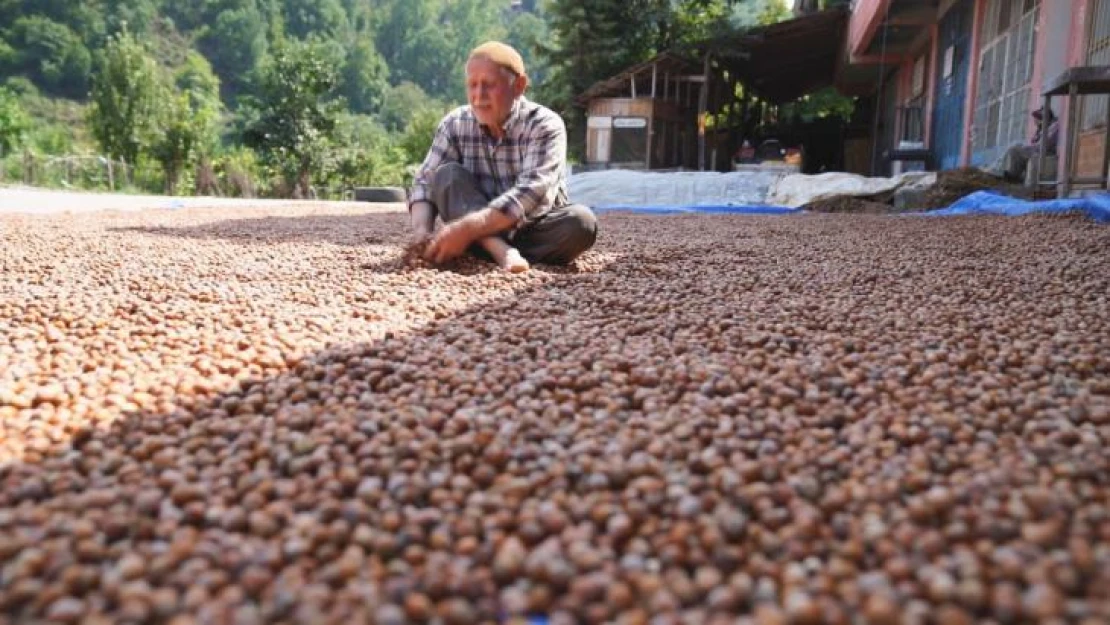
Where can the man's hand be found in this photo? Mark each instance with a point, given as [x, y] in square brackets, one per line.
[419, 236]
[421, 219]
[450, 242]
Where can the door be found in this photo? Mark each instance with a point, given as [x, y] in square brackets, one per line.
[951, 84]
[599, 129]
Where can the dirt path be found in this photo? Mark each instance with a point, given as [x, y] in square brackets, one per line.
[31, 201]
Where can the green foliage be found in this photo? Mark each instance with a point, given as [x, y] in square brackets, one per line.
[134, 15]
[417, 138]
[58, 126]
[187, 117]
[235, 44]
[279, 71]
[296, 111]
[426, 42]
[819, 105]
[758, 13]
[124, 111]
[21, 86]
[52, 54]
[325, 18]
[14, 122]
[578, 29]
[365, 77]
[527, 32]
[8, 55]
[196, 78]
[367, 154]
[403, 102]
[239, 172]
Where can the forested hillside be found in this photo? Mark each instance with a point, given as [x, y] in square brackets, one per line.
[275, 96]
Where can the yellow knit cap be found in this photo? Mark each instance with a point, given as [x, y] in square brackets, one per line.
[501, 54]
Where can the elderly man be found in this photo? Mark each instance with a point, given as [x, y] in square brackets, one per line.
[1014, 161]
[496, 175]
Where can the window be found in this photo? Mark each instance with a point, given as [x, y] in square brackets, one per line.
[629, 140]
[1005, 70]
[918, 85]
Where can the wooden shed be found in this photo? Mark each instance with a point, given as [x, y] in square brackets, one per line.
[646, 117]
[654, 115]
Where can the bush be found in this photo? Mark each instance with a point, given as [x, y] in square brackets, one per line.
[239, 173]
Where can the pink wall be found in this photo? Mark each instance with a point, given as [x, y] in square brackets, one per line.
[866, 18]
[1079, 13]
[1076, 53]
[972, 80]
[930, 81]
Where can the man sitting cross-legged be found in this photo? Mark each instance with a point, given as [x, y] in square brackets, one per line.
[496, 175]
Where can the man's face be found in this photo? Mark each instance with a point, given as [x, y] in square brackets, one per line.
[491, 90]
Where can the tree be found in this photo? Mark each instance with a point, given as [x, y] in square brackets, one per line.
[526, 32]
[403, 102]
[368, 154]
[136, 16]
[578, 30]
[325, 18]
[295, 111]
[52, 54]
[419, 132]
[365, 77]
[235, 44]
[14, 121]
[426, 42]
[187, 119]
[124, 108]
[758, 13]
[627, 31]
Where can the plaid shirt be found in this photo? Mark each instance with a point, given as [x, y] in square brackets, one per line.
[524, 173]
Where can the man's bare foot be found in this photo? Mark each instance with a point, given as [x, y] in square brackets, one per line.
[513, 262]
[507, 257]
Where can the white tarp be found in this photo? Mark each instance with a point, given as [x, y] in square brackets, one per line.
[618, 187]
[799, 189]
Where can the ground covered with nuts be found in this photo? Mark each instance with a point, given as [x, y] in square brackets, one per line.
[283, 418]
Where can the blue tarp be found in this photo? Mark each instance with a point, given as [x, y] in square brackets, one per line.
[717, 209]
[979, 203]
[1097, 207]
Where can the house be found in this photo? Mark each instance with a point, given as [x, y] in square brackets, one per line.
[959, 78]
[689, 109]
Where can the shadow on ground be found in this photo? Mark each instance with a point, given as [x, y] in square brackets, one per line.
[653, 422]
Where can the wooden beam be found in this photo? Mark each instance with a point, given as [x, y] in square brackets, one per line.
[703, 97]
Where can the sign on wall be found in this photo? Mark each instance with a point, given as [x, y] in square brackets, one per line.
[629, 122]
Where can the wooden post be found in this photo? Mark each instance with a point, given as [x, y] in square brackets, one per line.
[703, 97]
[1069, 166]
[633, 79]
[666, 85]
[745, 133]
[654, 78]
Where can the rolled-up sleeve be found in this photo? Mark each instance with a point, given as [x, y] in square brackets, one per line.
[537, 184]
[444, 150]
